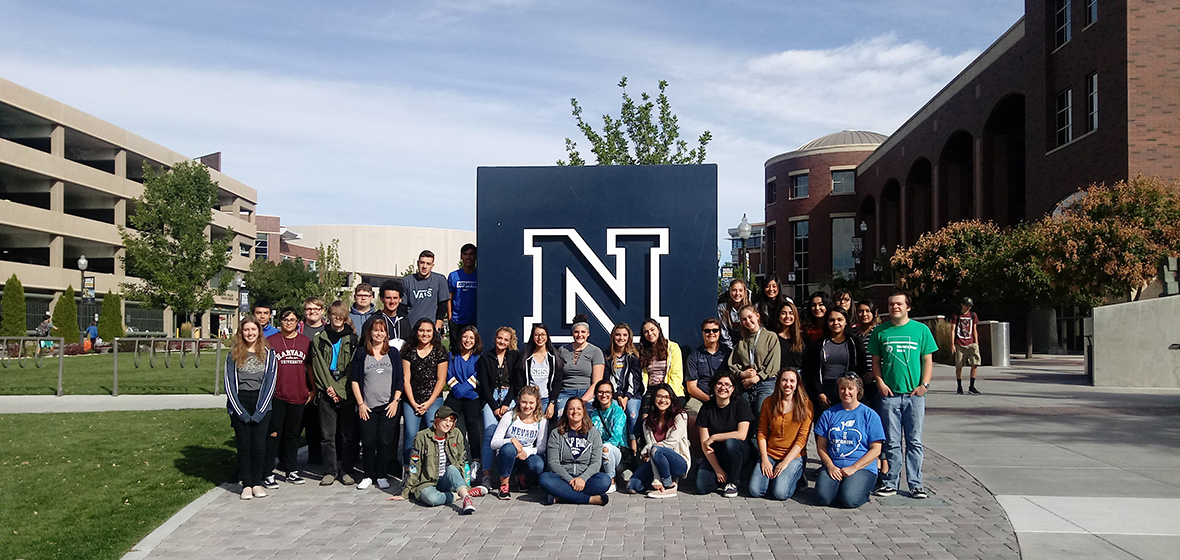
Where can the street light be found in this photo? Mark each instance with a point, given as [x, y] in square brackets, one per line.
[82, 263]
[744, 234]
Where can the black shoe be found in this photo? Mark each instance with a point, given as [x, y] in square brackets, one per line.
[885, 491]
[959, 391]
[919, 493]
[974, 391]
[269, 483]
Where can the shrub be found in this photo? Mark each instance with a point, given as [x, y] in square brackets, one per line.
[65, 317]
[12, 322]
[110, 319]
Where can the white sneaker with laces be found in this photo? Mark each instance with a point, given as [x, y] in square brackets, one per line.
[364, 484]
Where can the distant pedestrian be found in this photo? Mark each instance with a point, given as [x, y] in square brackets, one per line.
[965, 344]
[427, 293]
[92, 333]
[250, 371]
[461, 284]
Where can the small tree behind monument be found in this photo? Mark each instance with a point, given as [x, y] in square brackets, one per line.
[110, 319]
[65, 317]
[13, 321]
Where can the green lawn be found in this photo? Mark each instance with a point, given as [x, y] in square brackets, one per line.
[92, 375]
[91, 485]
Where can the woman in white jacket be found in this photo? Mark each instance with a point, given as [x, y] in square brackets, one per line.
[665, 454]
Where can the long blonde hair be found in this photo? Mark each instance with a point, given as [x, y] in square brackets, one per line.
[241, 348]
[535, 392]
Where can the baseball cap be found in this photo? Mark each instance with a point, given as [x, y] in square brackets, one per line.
[445, 411]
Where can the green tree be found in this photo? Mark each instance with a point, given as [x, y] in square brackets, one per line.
[330, 278]
[646, 133]
[110, 318]
[168, 247]
[13, 321]
[65, 317]
[285, 284]
[945, 265]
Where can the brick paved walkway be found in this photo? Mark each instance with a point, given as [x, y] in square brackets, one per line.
[960, 520]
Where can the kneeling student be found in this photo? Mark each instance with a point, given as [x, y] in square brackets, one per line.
[436, 466]
[575, 460]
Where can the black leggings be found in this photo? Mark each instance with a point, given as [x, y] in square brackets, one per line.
[251, 440]
[470, 422]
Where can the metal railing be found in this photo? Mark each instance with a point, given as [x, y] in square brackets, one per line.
[149, 347]
[41, 348]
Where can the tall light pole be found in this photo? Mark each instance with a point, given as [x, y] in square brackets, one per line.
[744, 234]
[82, 264]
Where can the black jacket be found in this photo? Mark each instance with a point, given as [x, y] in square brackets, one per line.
[556, 373]
[356, 370]
[814, 361]
[485, 377]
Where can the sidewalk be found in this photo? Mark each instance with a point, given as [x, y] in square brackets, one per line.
[1082, 472]
[17, 404]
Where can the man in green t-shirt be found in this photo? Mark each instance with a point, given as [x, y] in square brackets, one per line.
[903, 364]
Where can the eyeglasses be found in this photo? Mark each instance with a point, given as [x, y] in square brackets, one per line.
[710, 331]
[290, 319]
[363, 295]
[663, 398]
[313, 308]
[605, 393]
[723, 386]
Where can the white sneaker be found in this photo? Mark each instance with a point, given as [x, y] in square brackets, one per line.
[364, 484]
[383, 483]
[475, 473]
[612, 488]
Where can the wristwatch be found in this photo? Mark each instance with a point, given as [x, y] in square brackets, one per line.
[926, 385]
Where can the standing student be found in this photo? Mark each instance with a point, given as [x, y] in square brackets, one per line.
[262, 312]
[250, 371]
[770, 301]
[464, 396]
[755, 359]
[461, 285]
[965, 345]
[611, 422]
[424, 363]
[362, 307]
[626, 377]
[539, 366]
[584, 366]
[313, 318]
[791, 339]
[842, 298]
[436, 466]
[834, 356]
[574, 452]
[519, 438]
[724, 424]
[494, 371]
[783, 429]
[817, 313]
[293, 392]
[376, 382]
[661, 361]
[704, 365]
[312, 325]
[426, 293]
[666, 453]
[396, 324]
[848, 438]
[903, 364]
[332, 351]
[727, 312]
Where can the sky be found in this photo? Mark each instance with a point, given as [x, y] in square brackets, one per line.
[324, 107]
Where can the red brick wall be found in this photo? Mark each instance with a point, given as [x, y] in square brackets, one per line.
[1153, 87]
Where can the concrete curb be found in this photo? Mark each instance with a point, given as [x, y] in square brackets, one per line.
[146, 546]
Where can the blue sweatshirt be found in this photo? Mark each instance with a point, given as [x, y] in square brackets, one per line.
[461, 376]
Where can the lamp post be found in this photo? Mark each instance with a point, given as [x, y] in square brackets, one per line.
[82, 264]
[744, 234]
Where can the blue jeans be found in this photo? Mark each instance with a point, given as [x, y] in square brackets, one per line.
[852, 492]
[489, 429]
[756, 394]
[506, 462]
[611, 459]
[634, 405]
[731, 454]
[414, 424]
[565, 395]
[596, 485]
[443, 492]
[781, 487]
[664, 464]
[903, 416]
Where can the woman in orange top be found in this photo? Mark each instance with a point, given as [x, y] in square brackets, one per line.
[783, 428]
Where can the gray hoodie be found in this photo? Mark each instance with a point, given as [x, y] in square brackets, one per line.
[561, 458]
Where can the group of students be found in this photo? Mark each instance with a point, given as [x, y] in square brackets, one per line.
[574, 419]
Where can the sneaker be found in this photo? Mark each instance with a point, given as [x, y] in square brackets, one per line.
[665, 493]
[731, 490]
[328, 480]
[487, 481]
[468, 506]
[259, 492]
[885, 491]
[383, 483]
[347, 479]
[503, 493]
[959, 391]
[919, 493]
[294, 478]
[974, 391]
[475, 472]
[477, 491]
[613, 488]
[548, 500]
[364, 484]
[247, 493]
[523, 482]
[269, 483]
[605, 500]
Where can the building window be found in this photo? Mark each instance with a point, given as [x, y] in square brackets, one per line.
[801, 264]
[843, 229]
[1092, 102]
[1061, 21]
[244, 249]
[1091, 11]
[771, 194]
[799, 186]
[844, 182]
[260, 251]
[1064, 117]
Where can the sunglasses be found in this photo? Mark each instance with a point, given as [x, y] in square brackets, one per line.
[710, 331]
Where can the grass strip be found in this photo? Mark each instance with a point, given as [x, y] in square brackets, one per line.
[93, 375]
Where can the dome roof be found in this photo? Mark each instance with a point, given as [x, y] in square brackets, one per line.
[844, 138]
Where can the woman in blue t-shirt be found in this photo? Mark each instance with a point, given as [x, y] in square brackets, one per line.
[464, 399]
[848, 438]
